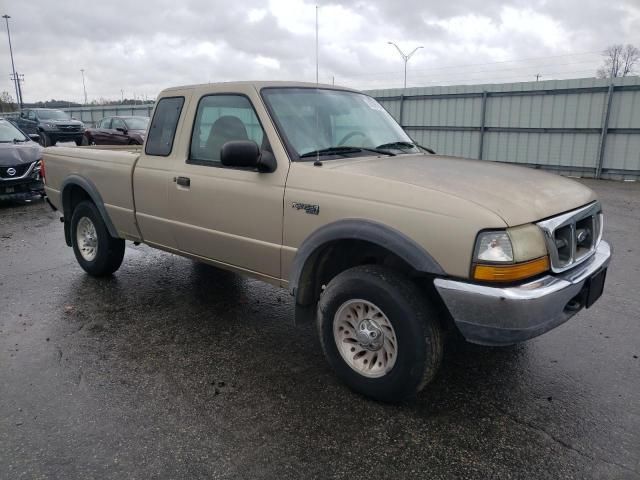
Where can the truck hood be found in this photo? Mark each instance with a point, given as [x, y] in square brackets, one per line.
[517, 194]
[62, 122]
[12, 154]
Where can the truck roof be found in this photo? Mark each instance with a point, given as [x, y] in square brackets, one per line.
[258, 85]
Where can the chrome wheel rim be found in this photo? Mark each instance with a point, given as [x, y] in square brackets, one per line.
[365, 338]
[87, 239]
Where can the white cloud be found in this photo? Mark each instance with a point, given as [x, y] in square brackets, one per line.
[145, 46]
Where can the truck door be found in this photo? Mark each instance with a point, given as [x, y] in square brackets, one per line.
[151, 176]
[229, 215]
[28, 122]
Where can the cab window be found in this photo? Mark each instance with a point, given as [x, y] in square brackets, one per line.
[220, 119]
[162, 131]
[117, 123]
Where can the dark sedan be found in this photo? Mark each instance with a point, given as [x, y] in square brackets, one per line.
[117, 131]
[20, 164]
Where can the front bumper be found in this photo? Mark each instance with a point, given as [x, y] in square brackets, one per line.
[501, 316]
[21, 190]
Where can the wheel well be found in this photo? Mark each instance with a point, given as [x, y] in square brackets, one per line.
[334, 257]
[72, 195]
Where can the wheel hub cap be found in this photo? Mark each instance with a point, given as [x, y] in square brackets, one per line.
[369, 335]
[365, 338]
[87, 239]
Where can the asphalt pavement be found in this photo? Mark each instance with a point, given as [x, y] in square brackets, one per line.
[173, 369]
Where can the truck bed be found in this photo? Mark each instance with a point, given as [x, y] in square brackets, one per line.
[108, 168]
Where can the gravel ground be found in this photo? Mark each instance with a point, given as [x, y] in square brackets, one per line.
[172, 369]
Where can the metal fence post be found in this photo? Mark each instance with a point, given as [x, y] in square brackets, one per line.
[605, 128]
[483, 111]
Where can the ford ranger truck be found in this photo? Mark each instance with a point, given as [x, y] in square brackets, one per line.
[318, 190]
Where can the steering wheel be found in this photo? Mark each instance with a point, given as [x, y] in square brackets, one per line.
[349, 135]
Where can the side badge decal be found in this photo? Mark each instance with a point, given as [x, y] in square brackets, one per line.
[310, 209]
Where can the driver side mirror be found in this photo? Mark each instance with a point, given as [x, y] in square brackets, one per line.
[246, 153]
[123, 130]
[34, 137]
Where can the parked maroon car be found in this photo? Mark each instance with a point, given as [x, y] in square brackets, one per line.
[117, 131]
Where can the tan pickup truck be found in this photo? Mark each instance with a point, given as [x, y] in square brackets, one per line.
[318, 190]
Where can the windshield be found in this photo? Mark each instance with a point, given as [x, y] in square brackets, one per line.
[9, 133]
[321, 122]
[137, 123]
[52, 115]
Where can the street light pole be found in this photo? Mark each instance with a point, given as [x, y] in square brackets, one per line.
[84, 87]
[13, 68]
[406, 58]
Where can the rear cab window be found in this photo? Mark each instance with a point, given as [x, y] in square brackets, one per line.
[162, 130]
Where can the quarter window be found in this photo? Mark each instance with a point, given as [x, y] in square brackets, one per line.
[220, 119]
[163, 126]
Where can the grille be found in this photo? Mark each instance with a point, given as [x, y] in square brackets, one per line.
[69, 128]
[20, 171]
[573, 237]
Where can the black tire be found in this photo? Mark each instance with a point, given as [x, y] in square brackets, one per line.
[79, 141]
[45, 139]
[110, 251]
[414, 320]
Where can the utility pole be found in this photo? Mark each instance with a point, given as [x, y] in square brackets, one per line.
[84, 87]
[19, 77]
[406, 58]
[122, 93]
[316, 44]
[538, 77]
[13, 68]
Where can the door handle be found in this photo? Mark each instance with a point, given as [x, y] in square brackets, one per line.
[182, 181]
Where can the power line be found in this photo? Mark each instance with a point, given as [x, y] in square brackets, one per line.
[485, 63]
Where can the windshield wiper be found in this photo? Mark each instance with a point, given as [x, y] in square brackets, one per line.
[344, 150]
[17, 140]
[403, 145]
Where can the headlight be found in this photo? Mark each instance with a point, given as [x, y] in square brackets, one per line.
[48, 125]
[494, 247]
[510, 255]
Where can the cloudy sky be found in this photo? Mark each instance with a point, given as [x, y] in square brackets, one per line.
[143, 46]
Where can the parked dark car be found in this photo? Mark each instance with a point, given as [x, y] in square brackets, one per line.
[117, 131]
[51, 125]
[20, 163]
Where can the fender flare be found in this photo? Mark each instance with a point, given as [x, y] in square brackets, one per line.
[360, 229]
[89, 187]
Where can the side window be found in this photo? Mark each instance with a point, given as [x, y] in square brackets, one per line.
[117, 123]
[105, 123]
[220, 119]
[31, 115]
[163, 126]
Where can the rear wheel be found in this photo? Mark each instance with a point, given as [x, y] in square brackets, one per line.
[379, 333]
[97, 252]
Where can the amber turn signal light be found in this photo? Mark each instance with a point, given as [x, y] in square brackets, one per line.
[512, 272]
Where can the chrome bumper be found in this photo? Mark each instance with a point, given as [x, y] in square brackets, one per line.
[504, 316]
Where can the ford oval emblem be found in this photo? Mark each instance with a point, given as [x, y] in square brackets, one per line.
[11, 171]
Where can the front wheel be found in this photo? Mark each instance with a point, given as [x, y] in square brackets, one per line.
[97, 252]
[379, 333]
[45, 139]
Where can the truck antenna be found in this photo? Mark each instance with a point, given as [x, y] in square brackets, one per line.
[316, 44]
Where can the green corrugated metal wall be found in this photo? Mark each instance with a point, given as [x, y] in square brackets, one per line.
[556, 124]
